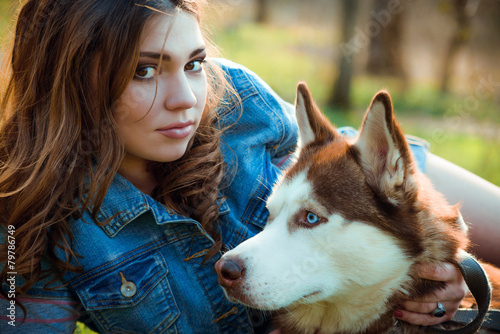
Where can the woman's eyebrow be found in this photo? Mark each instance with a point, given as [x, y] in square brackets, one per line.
[166, 57]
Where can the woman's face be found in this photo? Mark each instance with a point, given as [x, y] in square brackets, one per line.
[161, 108]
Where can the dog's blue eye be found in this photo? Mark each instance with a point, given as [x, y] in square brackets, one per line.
[312, 218]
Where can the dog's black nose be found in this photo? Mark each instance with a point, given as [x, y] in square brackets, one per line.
[229, 270]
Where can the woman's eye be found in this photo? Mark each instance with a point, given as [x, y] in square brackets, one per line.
[312, 218]
[145, 72]
[195, 65]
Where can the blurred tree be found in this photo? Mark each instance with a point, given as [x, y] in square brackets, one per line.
[463, 10]
[262, 11]
[385, 55]
[340, 96]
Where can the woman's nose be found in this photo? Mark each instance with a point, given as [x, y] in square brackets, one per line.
[179, 95]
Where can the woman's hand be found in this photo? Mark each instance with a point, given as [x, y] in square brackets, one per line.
[418, 312]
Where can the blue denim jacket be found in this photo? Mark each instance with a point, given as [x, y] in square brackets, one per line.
[142, 271]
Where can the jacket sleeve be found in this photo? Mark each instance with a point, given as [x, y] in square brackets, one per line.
[47, 311]
[42, 316]
[261, 117]
[259, 134]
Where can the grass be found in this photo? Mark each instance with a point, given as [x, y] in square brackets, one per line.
[282, 58]
[82, 329]
[453, 123]
[7, 9]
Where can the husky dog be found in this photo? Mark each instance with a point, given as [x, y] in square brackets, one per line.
[349, 222]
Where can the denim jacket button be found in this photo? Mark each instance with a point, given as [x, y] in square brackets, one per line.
[128, 289]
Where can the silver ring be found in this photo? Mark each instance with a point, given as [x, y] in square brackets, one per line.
[439, 312]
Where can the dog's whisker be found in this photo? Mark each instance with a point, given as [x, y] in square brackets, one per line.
[265, 184]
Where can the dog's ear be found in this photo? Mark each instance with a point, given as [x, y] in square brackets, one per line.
[313, 125]
[385, 157]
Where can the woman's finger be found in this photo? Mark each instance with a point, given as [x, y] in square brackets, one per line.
[422, 319]
[443, 272]
[419, 311]
[428, 308]
[455, 289]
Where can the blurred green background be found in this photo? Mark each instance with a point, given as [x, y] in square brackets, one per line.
[439, 59]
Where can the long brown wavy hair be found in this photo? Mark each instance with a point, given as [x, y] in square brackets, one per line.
[59, 147]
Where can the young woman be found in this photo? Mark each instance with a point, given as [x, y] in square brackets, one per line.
[128, 161]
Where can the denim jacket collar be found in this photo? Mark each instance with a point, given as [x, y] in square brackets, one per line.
[124, 203]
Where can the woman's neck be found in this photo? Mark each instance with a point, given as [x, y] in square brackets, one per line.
[135, 171]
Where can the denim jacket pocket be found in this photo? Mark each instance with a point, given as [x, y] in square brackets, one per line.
[129, 295]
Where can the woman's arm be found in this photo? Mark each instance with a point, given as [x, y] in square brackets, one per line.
[42, 316]
[480, 205]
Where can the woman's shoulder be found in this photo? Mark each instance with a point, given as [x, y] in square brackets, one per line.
[248, 84]
[256, 109]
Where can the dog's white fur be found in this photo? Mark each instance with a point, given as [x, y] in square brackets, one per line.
[349, 264]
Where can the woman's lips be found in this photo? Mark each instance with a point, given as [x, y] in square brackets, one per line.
[177, 130]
